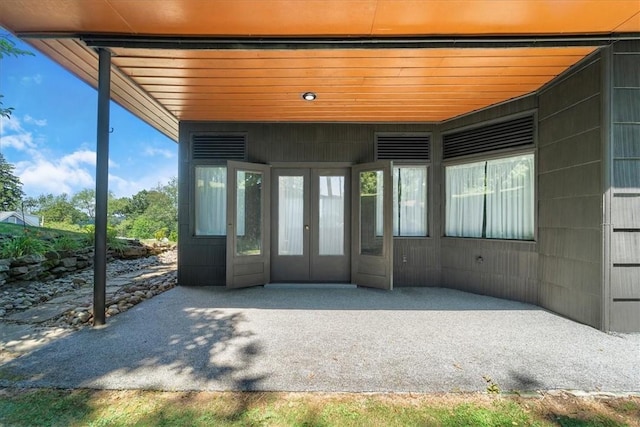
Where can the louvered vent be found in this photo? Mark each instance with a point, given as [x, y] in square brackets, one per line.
[403, 147]
[219, 147]
[513, 133]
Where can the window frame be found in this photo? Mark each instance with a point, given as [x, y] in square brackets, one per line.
[486, 157]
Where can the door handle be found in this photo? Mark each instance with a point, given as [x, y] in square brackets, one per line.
[306, 227]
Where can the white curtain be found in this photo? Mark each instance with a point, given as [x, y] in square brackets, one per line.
[465, 199]
[290, 215]
[410, 201]
[331, 211]
[211, 200]
[510, 198]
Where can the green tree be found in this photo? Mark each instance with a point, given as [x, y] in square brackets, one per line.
[8, 48]
[85, 201]
[10, 187]
[58, 209]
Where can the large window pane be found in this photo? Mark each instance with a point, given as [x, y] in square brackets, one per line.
[331, 215]
[249, 213]
[410, 201]
[510, 198]
[371, 212]
[465, 199]
[290, 215]
[211, 200]
[492, 199]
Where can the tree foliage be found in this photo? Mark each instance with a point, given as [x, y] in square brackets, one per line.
[57, 209]
[147, 214]
[8, 48]
[10, 187]
[85, 201]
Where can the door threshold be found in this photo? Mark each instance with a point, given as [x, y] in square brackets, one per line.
[310, 286]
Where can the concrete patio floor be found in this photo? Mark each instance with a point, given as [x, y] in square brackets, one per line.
[333, 339]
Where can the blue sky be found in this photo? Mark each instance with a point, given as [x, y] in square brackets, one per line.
[51, 136]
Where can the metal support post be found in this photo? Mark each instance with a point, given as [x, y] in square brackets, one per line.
[102, 189]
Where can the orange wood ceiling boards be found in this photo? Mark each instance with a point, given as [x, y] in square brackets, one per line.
[418, 85]
[320, 17]
[163, 86]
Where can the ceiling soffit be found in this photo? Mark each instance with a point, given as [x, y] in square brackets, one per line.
[366, 60]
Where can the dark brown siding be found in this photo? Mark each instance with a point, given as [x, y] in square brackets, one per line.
[570, 194]
[491, 267]
[202, 260]
[625, 202]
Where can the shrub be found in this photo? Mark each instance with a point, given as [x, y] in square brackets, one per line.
[65, 243]
[112, 238]
[173, 236]
[25, 244]
[161, 234]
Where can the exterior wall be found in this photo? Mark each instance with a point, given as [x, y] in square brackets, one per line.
[585, 260]
[202, 260]
[624, 260]
[504, 269]
[570, 194]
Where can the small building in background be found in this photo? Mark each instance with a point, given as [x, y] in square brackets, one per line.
[13, 217]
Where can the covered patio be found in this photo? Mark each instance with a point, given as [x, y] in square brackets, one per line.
[321, 83]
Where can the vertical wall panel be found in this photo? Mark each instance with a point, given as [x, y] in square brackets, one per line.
[570, 193]
[625, 202]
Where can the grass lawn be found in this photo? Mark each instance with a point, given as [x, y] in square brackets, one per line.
[46, 407]
[18, 230]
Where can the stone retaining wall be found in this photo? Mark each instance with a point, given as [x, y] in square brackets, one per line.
[56, 264]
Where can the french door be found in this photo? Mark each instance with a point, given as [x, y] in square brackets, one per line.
[248, 233]
[372, 225]
[309, 225]
[310, 219]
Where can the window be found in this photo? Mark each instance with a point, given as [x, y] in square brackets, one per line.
[410, 201]
[491, 199]
[211, 200]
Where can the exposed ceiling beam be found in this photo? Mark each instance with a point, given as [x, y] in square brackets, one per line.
[306, 43]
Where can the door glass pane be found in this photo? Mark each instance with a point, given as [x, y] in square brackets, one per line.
[290, 215]
[331, 215]
[249, 213]
[371, 212]
[211, 200]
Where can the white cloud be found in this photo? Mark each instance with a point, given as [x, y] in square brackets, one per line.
[37, 122]
[41, 175]
[151, 152]
[13, 135]
[122, 187]
[30, 80]
[10, 124]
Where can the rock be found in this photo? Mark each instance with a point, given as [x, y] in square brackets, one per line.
[2, 312]
[77, 281]
[133, 252]
[112, 311]
[4, 267]
[69, 262]
[149, 294]
[52, 256]
[17, 271]
[84, 317]
[28, 259]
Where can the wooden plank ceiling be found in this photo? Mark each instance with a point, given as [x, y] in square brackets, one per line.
[352, 85]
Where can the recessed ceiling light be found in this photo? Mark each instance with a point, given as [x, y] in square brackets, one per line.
[308, 96]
